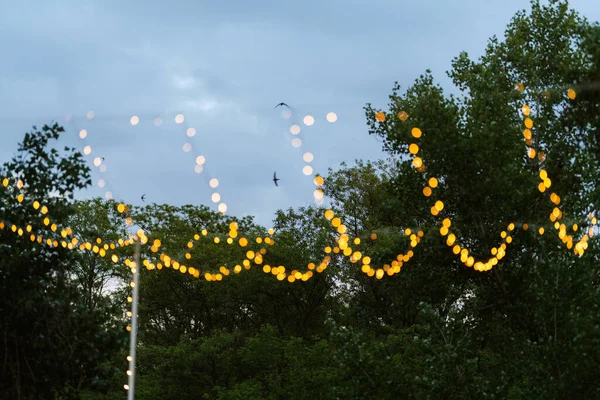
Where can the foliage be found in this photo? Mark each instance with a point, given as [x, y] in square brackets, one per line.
[52, 342]
[529, 328]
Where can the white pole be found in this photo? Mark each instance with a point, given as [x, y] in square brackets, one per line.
[134, 325]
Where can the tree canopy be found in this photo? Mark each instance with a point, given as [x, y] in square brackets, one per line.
[514, 159]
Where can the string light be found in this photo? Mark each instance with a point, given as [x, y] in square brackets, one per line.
[199, 164]
[343, 240]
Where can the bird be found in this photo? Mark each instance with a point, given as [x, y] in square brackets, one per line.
[281, 104]
[144, 198]
[275, 179]
[103, 158]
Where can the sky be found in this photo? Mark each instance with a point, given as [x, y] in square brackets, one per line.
[224, 65]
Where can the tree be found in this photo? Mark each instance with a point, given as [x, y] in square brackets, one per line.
[99, 224]
[521, 316]
[52, 343]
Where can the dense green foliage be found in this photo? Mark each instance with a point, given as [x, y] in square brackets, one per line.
[527, 329]
[52, 342]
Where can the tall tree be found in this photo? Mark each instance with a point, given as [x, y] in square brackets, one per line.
[528, 309]
[52, 343]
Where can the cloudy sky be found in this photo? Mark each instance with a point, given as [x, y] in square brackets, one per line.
[224, 65]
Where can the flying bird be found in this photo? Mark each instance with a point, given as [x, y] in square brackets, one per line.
[275, 179]
[281, 104]
[144, 198]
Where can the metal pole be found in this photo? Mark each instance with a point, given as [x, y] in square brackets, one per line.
[134, 325]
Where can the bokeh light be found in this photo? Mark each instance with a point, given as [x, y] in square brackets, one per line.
[308, 157]
[216, 197]
[331, 117]
[308, 120]
[134, 120]
[307, 170]
[198, 169]
[295, 129]
[200, 160]
[296, 142]
[187, 147]
[191, 132]
[179, 118]
[83, 133]
[87, 150]
[214, 182]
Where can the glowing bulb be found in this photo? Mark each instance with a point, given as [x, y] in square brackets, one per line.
[198, 169]
[179, 118]
[187, 147]
[295, 129]
[296, 142]
[216, 197]
[331, 117]
[103, 168]
[308, 157]
[307, 170]
[134, 120]
[97, 161]
[318, 194]
[222, 208]
[214, 182]
[308, 120]
[416, 132]
[101, 183]
[200, 160]
[87, 150]
[108, 195]
[191, 132]
[90, 115]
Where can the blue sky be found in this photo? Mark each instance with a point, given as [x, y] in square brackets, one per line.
[224, 65]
